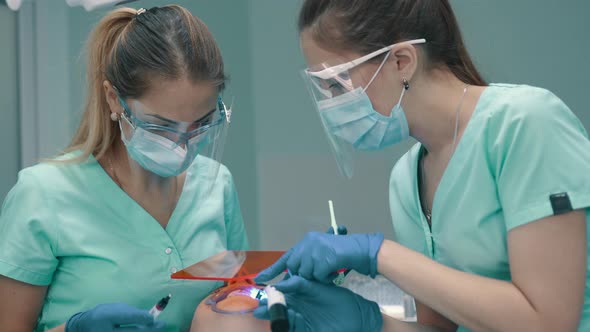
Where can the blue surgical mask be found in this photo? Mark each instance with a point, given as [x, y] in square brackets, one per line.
[352, 118]
[160, 155]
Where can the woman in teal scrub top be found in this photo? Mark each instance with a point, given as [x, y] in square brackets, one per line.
[490, 208]
[88, 241]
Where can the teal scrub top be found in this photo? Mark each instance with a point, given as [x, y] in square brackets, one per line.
[521, 146]
[70, 227]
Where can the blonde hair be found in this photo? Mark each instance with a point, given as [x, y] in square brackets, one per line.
[128, 50]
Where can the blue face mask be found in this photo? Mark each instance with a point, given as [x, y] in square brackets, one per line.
[160, 155]
[352, 118]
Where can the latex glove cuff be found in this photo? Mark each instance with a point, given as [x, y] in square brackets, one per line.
[375, 242]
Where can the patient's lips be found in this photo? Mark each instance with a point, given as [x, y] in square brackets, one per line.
[241, 297]
[230, 309]
[237, 302]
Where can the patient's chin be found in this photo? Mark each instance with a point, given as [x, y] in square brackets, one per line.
[208, 320]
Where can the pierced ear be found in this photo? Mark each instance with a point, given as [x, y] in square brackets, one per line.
[406, 58]
[112, 98]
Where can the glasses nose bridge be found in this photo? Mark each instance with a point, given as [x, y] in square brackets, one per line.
[181, 141]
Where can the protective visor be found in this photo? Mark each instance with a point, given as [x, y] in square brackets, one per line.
[197, 146]
[331, 85]
[230, 266]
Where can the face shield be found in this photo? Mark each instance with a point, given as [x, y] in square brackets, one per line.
[168, 148]
[230, 266]
[345, 110]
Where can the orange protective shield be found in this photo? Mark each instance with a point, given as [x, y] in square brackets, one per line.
[230, 266]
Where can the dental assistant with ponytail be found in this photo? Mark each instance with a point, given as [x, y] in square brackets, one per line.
[489, 208]
[89, 239]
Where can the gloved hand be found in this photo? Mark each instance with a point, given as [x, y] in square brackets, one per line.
[339, 279]
[342, 230]
[318, 256]
[113, 317]
[316, 307]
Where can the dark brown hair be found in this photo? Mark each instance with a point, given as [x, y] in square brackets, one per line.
[130, 49]
[364, 26]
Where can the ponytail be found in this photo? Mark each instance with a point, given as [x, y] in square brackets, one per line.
[97, 132]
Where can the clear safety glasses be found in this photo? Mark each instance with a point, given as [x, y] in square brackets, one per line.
[177, 132]
[331, 85]
[199, 143]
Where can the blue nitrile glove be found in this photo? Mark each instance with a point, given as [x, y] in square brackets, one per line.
[317, 307]
[319, 256]
[342, 230]
[113, 317]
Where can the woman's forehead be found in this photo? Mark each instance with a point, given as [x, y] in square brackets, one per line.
[315, 54]
[179, 100]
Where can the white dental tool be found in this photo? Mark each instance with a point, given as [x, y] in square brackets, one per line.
[340, 278]
[333, 218]
[277, 309]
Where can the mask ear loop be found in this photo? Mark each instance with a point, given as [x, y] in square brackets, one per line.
[405, 82]
[406, 87]
[133, 127]
[377, 71]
